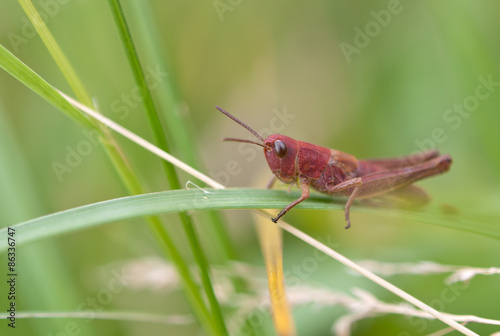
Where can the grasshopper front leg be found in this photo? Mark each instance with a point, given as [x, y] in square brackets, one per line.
[304, 186]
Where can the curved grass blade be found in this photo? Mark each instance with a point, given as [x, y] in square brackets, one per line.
[172, 201]
[179, 127]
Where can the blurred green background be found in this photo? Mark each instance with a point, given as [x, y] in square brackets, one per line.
[374, 79]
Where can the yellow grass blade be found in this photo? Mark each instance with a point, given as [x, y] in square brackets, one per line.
[272, 248]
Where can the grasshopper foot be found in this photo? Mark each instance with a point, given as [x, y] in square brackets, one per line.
[347, 219]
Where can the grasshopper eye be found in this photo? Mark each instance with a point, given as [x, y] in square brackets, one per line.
[280, 148]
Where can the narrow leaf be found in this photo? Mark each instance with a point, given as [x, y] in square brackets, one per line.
[271, 241]
[186, 200]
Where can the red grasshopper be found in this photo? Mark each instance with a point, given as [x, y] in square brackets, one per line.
[333, 172]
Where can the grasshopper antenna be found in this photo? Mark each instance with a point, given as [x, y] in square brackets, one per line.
[242, 124]
[243, 140]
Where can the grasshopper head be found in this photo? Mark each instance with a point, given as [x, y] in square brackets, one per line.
[281, 153]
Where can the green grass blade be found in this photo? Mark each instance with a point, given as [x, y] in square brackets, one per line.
[32, 80]
[87, 216]
[56, 52]
[173, 180]
[140, 79]
[111, 147]
[178, 125]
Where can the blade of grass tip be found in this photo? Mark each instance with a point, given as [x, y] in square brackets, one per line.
[173, 180]
[271, 242]
[178, 125]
